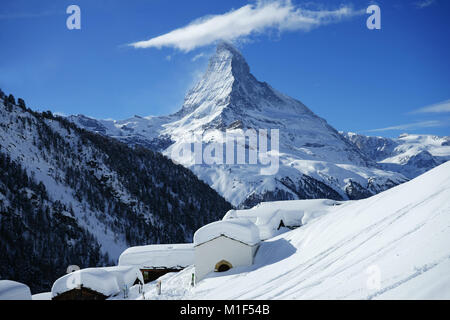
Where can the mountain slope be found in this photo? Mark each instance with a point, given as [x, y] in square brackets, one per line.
[409, 154]
[393, 245]
[315, 160]
[94, 197]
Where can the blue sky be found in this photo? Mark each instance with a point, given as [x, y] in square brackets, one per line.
[376, 82]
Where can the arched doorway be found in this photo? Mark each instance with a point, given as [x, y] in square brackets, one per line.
[222, 266]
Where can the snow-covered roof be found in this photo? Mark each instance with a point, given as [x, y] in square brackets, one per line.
[242, 230]
[267, 215]
[125, 275]
[159, 256]
[107, 281]
[12, 290]
[96, 279]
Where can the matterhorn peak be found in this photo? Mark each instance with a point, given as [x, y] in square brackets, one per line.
[228, 61]
[226, 66]
[228, 90]
[315, 160]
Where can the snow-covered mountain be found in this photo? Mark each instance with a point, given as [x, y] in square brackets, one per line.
[315, 161]
[72, 197]
[409, 154]
[393, 245]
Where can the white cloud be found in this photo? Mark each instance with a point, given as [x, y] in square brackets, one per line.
[424, 3]
[251, 19]
[412, 126]
[440, 107]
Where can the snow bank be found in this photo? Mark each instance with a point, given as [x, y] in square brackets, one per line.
[267, 216]
[171, 256]
[96, 279]
[12, 290]
[239, 229]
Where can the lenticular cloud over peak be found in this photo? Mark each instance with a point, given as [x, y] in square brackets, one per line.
[251, 19]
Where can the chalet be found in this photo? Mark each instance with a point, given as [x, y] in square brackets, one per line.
[96, 283]
[156, 260]
[222, 245]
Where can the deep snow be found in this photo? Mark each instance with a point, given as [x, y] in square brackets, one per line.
[272, 218]
[394, 245]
